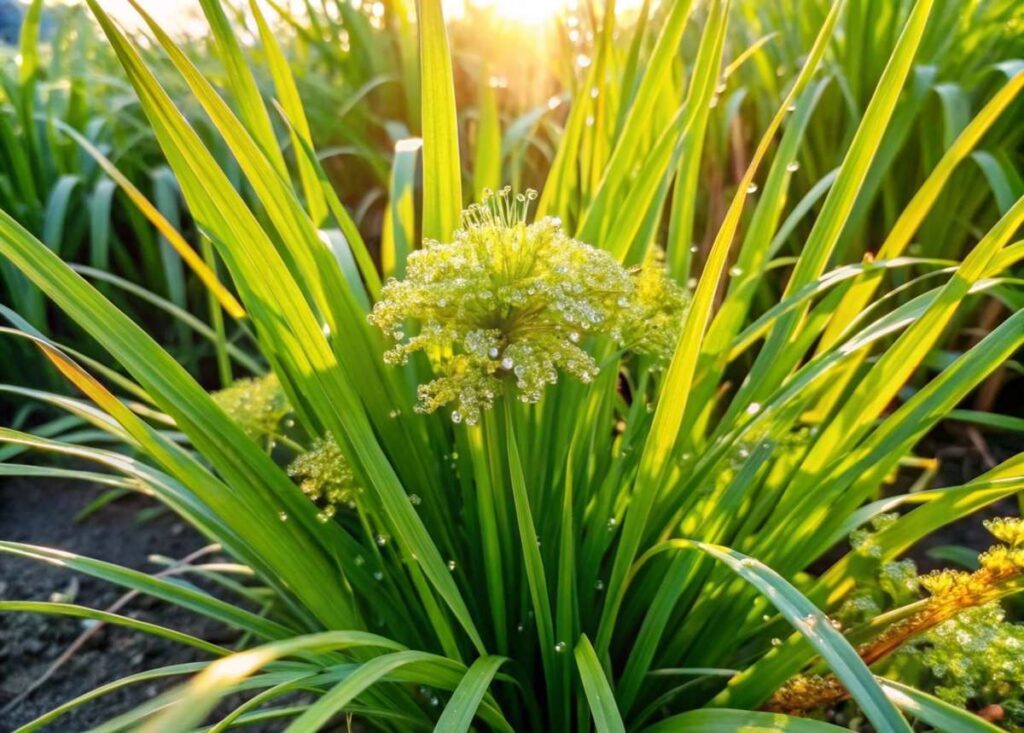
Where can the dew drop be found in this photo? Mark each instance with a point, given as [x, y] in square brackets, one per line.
[415, 499]
[456, 417]
[381, 540]
[360, 561]
[378, 575]
[612, 523]
[283, 516]
[452, 565]
[752, 188]
[560, 647]
[507, 363]
[776, 641]
[574, 336]
[753, 408]
[493, 352]
[599, 585]
[735, 271]
[794, 166]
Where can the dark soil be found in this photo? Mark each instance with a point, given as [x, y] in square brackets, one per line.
[961, 459]
[42, 513]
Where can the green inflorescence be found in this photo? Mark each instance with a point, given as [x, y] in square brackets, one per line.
[976, 658]
[324, 476]
[258, 405]
[508, 302]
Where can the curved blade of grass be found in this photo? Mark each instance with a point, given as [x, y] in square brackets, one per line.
[179, 595]
[935, 712]
[242, 83]
[458, 714]
[814, 625]
[183, 248]
[335, 700]
[176, 312]
[600, 696]
[173, 670]
[195, 699]
[70, 609]
[288, 95]
[716, 720]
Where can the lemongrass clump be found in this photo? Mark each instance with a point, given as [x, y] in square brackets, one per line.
[258, 405]
[507, 302]
[324, 476]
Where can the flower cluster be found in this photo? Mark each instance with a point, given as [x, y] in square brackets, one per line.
[953, 595]
[508, 302]
[258, 405]
[976, 657]
[324, 476]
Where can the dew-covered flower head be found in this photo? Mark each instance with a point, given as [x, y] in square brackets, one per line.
[324, 475]
[506, 302]
[257, 404]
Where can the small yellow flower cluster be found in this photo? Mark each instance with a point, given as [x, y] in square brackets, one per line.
[258, 405]
[1008, 530]
[999, 565]
[511, 302]
[951, 593]
[324, 476]
[801, 690]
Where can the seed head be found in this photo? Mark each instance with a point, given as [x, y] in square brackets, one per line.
[324, 476]
[258, 405]
[508, 302]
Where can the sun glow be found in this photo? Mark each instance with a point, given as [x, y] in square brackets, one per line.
[178, 15]
[522, 11]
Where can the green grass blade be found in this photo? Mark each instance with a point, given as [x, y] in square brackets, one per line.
[442, 172]
[814, 625]
[458, 714]
[600, 696]
[937, 713]
[739, 721]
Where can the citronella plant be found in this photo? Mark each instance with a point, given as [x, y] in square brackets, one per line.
[623, 539]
